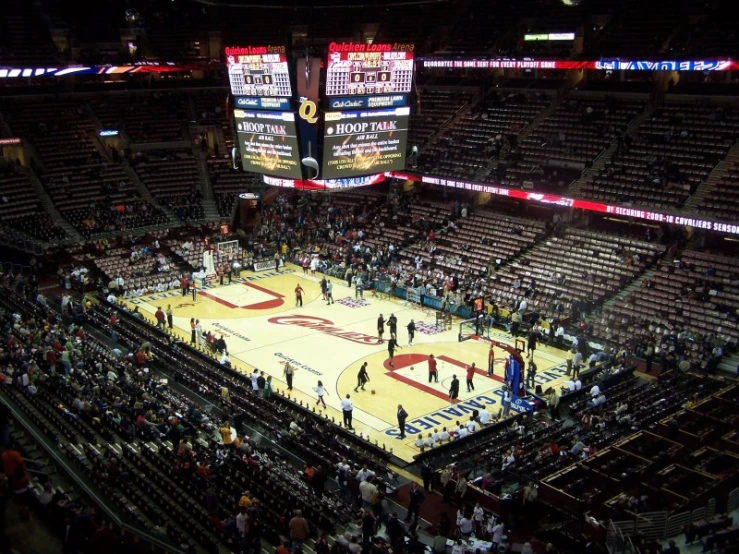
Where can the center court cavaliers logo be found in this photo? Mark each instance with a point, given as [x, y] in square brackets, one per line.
[324, 326]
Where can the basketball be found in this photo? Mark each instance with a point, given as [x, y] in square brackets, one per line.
[373, 391]
[411, 368]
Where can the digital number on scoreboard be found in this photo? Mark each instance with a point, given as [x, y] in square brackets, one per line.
[258, 71]
[369, 69]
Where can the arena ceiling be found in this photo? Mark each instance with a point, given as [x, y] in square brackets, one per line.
[318, 4]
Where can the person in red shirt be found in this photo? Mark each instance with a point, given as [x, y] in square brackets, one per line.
[51, 358]
[14, 468]
[160, 317]
[185, 285]
[140, 357]
[299, 295]
[491, 360]
[470, 375]
[433, 373]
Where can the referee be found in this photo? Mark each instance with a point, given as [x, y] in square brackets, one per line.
[346, 408]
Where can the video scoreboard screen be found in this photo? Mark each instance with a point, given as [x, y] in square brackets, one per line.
[364, 142]
[258, 71]
[369, 69]
[268, 143]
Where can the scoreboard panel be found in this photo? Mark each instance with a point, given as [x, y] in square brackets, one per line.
[268, 143]
[358, 143]
[369, 69]
[258, 71]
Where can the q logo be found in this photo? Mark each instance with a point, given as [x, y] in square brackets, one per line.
[308, 111]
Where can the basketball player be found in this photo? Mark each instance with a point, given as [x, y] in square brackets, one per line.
[411, 332]
[433, 373]
[392, 344]
[393, 324]
[380, 328]
[324, 288]
[470, 375]
[299, 295]
[329, 292]
[194, 287]
[454, 389]
[362, 377]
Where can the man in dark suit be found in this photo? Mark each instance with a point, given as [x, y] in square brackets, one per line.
[454, 389]
[402, 416]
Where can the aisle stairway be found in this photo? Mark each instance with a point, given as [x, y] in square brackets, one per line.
[591, 173]
[717, 174]
[56, 216]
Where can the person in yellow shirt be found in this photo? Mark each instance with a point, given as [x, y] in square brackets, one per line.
[226, 435]
[245, 500]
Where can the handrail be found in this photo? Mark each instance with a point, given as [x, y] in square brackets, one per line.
[80, 482]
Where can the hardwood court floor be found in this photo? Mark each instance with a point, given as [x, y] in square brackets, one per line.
[263, 328]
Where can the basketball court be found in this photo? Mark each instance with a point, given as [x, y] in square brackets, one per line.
[263, 328]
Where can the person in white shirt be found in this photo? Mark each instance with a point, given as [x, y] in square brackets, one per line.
[429, 443]
[570, 384]
[508, 460]
[595, 391]
[111, 298]
[465, 527]
[463, 432]
[225, 359]
[254, 376]
[420, 443]
[444, 435]
[471, 426]
[478, 515]
[578, 384]
[364, 474]
[498, 530]
[454, 431]
[241, 521]
[436, 436]
[484, 416]
[459, 548]
[342, 466]
[346, 409]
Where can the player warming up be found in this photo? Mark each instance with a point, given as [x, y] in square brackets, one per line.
[324, 289]
[411, 332]
[393, 324]
[380, 328]
[433, 372]
[470, 374]
[392, 344]
[362, 377]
